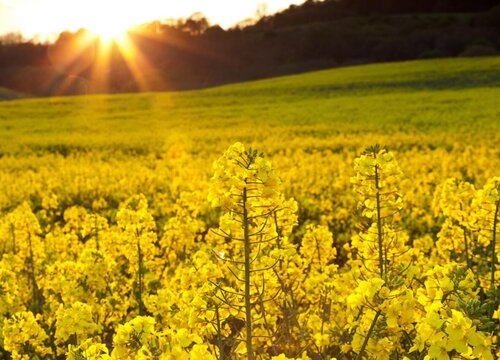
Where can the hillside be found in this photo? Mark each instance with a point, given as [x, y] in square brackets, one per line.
[426, 98]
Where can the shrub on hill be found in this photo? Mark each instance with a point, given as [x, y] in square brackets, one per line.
[479, 50]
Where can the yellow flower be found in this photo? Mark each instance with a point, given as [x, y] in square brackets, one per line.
[22, 332]
[75, 320]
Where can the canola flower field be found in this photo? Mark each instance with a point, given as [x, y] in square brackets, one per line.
[257, 220]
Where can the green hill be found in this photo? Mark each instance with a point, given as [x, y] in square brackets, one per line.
[431, 97]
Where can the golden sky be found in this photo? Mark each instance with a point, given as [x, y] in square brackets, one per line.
[49, 17]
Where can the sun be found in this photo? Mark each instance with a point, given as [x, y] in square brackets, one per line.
[104, 38]
[110, 30]
[106, 19]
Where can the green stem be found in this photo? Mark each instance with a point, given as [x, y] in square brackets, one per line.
[13, 233]
[139, 295]
[379, 225]
[493, 241]
[222, 355]
[248, 313]
[368, 335]
[37, 306]
[467, 258]
[96, 234]
[278, 230]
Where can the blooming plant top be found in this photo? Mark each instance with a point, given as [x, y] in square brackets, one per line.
[241, 170]
[377, 179]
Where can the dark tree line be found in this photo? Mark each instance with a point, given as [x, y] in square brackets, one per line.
[189, 53]
[327, 10]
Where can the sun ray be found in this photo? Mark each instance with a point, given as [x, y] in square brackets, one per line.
[136, 62]
[72, 57]
[99, 76]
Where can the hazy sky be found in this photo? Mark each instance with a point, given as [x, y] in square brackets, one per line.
[52, 16]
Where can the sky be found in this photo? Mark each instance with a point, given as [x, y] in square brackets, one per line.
[49, 17]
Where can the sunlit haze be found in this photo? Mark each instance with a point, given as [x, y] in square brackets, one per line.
[112, 17]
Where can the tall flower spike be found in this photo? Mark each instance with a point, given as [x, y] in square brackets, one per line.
[380, 244]
[376, 182]
[454, 199]
[138, 228]
[240, 169]
[487, 202]
[245, 187]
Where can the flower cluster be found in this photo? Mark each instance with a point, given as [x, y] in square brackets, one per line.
[136, 263]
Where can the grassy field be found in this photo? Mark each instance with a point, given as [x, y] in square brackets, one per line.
[431, 98]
